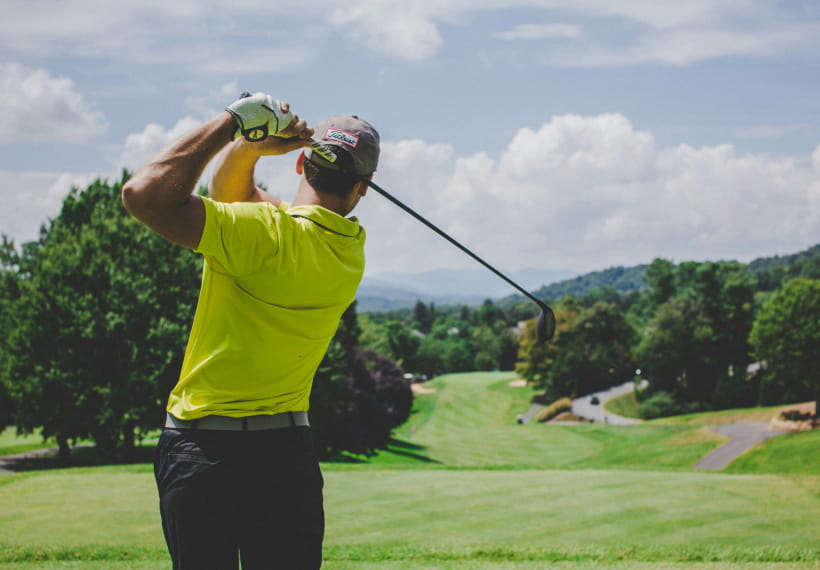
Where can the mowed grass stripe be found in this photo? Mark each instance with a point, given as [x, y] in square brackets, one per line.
[74, 507]
[441, 508]
[413, 557]
[444, 508]
[474, 425]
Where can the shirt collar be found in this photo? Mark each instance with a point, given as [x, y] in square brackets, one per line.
[326, 219]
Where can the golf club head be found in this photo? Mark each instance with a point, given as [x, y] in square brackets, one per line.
[546, 324]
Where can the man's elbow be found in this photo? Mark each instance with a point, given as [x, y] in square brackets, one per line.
[130, 198]
[135, 199]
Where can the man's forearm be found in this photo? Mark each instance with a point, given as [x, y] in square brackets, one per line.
[160, 193]
[233, 179]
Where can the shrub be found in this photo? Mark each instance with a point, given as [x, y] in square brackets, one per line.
[658, 405]
[557, 407]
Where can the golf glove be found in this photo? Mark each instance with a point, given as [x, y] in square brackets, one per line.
[258, 116]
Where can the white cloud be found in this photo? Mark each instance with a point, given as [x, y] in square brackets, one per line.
[139, 147]
[656, 32]
[38, 106]
[400, 30]
[576, 193]
[32, 198]
[203, 36]
[584, 193]
[539, 32]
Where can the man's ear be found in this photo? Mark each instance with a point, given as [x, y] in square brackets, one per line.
[300, 163]
[362, 188]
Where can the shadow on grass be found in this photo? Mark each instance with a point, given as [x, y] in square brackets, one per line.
[86, 455]
[394, 446]
[407, 449]
[81, 456]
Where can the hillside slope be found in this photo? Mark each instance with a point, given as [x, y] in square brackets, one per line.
[469, 421]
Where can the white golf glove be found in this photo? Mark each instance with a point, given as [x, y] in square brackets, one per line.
[258, 116]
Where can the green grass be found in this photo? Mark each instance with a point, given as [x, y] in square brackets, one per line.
[12, 444]
[626, 405]
[469, 422]
[464, 486]
[449, 516]
[793, 453]
[720, 417]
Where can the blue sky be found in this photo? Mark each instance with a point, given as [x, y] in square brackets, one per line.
[553, 134]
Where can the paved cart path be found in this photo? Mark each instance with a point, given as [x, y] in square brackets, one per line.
[745, 435]
[584, 407]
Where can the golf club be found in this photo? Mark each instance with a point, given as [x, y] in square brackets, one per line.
[546, 321]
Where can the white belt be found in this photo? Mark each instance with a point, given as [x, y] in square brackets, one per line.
[248, 423]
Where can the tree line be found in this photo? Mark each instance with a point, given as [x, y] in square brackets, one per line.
[703, 335]
[94, 318]
[95, 315]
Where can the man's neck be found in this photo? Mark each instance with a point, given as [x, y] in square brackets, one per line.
[306, 195]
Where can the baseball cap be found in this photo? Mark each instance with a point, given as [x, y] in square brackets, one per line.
[356, 137]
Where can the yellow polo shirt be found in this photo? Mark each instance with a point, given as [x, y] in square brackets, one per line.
[275, 284]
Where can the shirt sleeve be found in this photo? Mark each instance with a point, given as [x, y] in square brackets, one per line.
[239, 237]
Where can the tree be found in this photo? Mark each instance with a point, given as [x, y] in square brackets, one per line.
[402, 341]
[376, 400]
[428, 359]
[535, 358]
[458, 354]
[786, 339]
[423, 316]
[330, 385]
[9, 292]
[100, 324]
[733, 324]
[489, 314]
[660, 276]
[695, 346]
[597, 353]
[358, 396]
[672, 351]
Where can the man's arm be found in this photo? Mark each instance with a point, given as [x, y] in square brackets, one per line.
[233, 179]
[160, 192]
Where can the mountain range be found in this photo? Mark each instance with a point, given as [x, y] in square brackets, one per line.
[389, 291]
[392, 291]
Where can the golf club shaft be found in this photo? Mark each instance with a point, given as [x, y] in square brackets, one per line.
[440, 232]
[545, 327]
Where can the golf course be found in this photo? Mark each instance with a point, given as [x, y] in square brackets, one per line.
[464, 486]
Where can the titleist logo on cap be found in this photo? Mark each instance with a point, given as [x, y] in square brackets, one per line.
[343, 137]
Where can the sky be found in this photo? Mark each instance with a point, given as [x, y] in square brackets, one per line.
[568, 135]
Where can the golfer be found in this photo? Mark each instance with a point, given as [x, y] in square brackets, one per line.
[235, 468]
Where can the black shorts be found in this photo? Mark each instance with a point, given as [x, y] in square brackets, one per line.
[231, 495]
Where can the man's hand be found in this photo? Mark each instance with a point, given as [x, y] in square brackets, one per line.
[259, 116]
[233, 179]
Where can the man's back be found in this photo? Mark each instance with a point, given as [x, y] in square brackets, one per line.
[275, 284]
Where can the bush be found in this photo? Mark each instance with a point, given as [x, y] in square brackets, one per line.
[658, 405]
[557, 407]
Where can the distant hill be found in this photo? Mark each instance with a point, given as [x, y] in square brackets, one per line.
[375, 298]
[808, 257]
[463, 287]
[622, 279]
[391, 291]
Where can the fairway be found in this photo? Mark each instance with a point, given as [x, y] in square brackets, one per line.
[464, 486]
